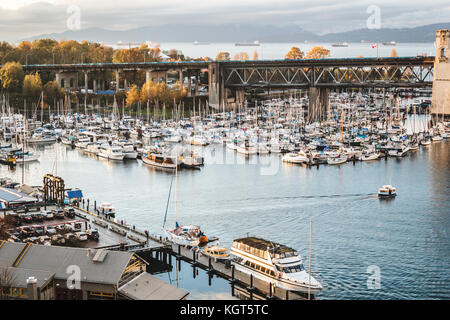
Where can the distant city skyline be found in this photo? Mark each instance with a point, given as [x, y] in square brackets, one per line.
[26, 18]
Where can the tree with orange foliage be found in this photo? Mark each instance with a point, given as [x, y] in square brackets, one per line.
[255, 55]
[223, 56]
[394, 53]
[241, 56]
[294, 54]
[318, 52]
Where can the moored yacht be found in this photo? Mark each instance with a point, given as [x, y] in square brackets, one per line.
[190, 236]
[274, 263]
[159, 160]
[112, 153]
[295, 157]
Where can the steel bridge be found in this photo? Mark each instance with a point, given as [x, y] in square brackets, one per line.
[230, 79]
[329, 73]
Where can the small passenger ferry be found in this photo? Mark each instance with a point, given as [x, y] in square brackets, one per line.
[272, 262]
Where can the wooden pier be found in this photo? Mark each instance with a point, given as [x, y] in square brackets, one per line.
[158, 251]
[242, 284]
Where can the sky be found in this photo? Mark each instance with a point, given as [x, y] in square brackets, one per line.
[25, 18]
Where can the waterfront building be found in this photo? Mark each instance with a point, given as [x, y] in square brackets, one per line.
[39, 272]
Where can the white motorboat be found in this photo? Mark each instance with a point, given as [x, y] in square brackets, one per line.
[398, 152]
[190, 236]
[246, 148]
[336, 160]
[295, 157]
[273, 263]
[387, 191]
[82, 143]
[159, 160]
[369, 156]
[107, 208]
[111, 152]
[198, 140]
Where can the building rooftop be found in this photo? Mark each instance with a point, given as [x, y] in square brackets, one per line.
[57, 260]
[148, 287]
[13, 196]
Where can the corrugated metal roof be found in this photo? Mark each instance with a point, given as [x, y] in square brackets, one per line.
[9, 252]
[58, 259]
[148, 287]
[12, 195]
[19, 276]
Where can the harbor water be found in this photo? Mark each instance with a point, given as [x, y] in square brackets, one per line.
[269, 51]
[403, 242]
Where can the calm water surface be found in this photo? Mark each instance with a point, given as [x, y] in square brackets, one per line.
[278, 50]
[407, 238]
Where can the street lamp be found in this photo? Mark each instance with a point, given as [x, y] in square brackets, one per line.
[26, 58]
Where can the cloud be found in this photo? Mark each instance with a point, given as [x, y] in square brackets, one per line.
[25, 18]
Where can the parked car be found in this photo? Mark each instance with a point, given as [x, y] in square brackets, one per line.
[44, 239]
[27, 218]
[58, 239]
[38, 217]
[60, 228]
[59, 214]
[39, 230]
[32, 240]
[69, 212]
[93, 234]
[81, 236]
[69, 236]
[49, 215]
[50, 230]
[26, 232]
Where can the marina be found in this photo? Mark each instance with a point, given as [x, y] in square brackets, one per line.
[312, 171]
[81, 169]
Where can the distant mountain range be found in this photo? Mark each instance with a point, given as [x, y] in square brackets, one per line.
[238, 33]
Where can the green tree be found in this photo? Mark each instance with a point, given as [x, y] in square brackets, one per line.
[32, 86]
[52, 92]
[11, 76]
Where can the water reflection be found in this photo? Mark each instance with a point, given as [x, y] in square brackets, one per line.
[407, 237]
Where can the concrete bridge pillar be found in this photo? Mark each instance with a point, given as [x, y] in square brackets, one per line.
[214, 86]
[95, 85]
[197, 80]
[181, 78]
[440, 107]
[319, 104]
[58, 79]
[148, 75]
[67, 81]
[117, 81]
[86, 83]
[189, 83]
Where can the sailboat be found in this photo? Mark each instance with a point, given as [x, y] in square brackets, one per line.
[188, 235]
